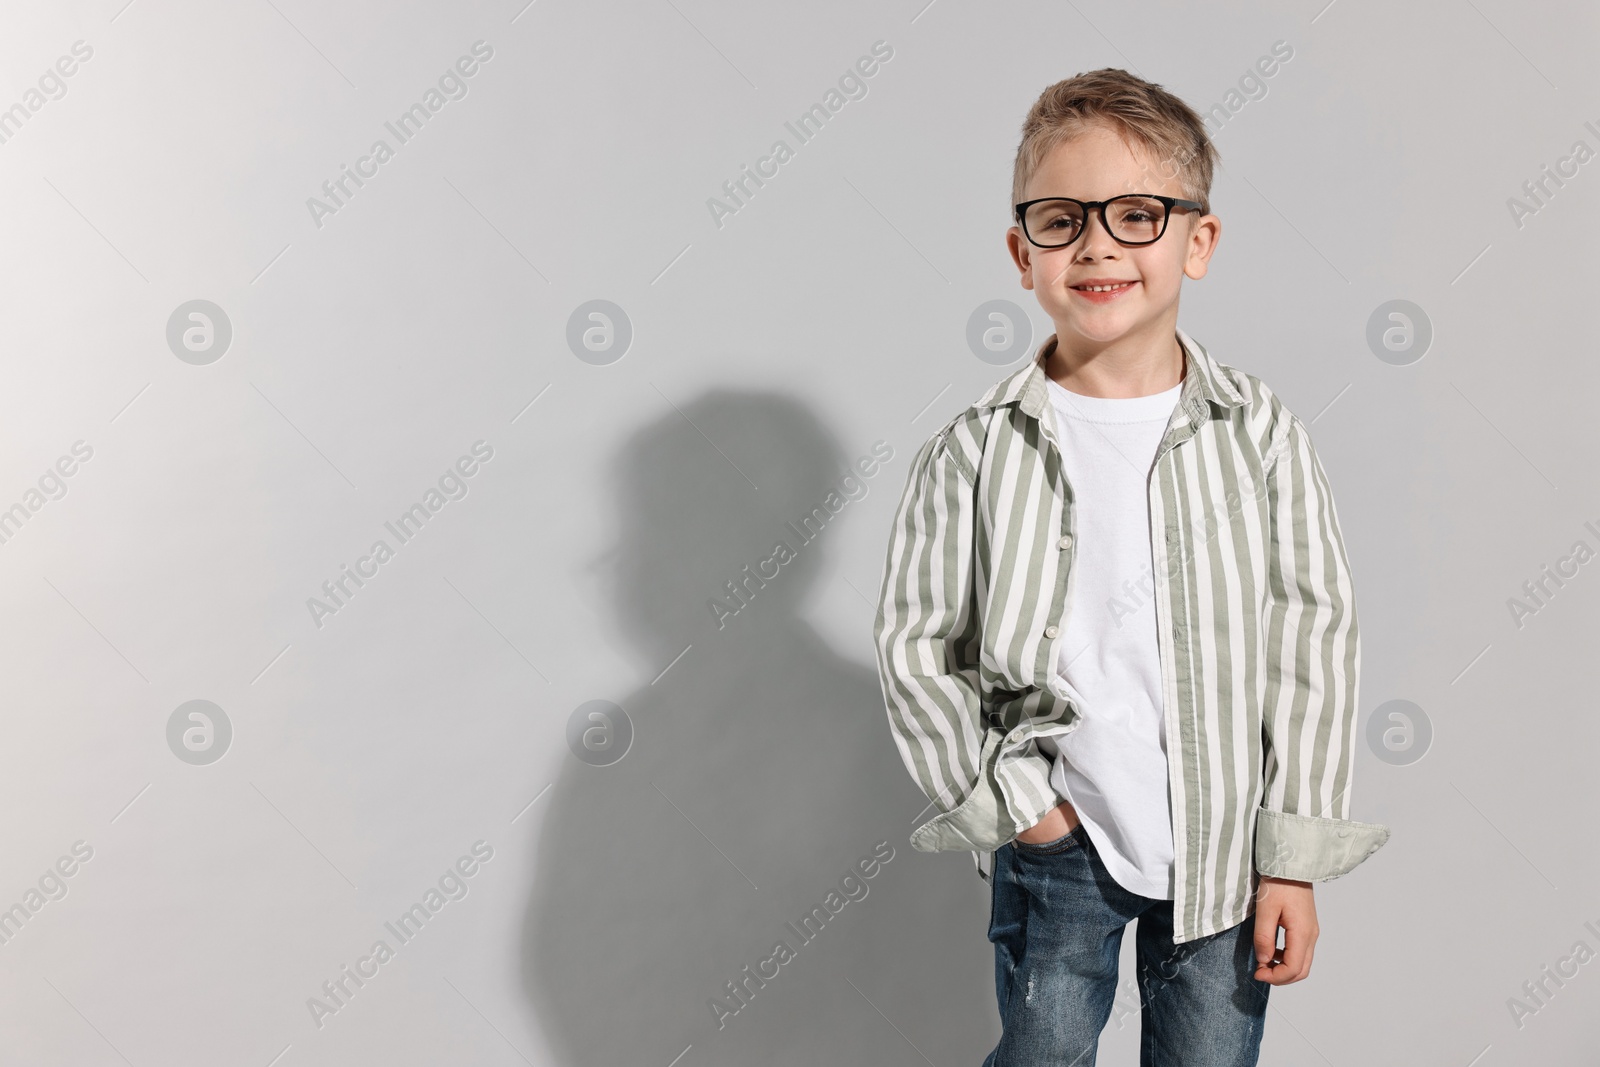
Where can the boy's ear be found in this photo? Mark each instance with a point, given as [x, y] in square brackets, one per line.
[1204, 233]
[1021, 254]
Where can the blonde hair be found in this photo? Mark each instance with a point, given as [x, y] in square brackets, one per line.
[1140, 112]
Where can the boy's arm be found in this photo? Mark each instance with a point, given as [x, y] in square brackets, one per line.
[1303, 828]
[926, 635]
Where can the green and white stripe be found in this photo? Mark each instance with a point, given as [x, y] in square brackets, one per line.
[1260, 653]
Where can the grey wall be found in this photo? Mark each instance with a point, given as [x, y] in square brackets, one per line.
[443, 705]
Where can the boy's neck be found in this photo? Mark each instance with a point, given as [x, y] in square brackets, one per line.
[1131, 366]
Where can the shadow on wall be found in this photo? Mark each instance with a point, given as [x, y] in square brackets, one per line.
[761, 774]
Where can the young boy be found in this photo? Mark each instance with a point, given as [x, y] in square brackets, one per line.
[1116, 632]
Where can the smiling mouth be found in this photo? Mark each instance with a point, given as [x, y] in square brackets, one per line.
[1102, 288]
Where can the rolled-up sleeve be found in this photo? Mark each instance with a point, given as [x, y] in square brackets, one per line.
[1313, 663]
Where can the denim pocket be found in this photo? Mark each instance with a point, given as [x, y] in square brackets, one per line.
[1065, 843]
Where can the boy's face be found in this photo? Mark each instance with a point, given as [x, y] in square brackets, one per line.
[1097, 165]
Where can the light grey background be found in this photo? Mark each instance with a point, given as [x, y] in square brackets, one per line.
[432, 711]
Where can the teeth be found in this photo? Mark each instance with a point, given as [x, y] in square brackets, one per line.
[1101, 288]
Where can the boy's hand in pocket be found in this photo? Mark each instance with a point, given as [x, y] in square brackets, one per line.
[1059, 821]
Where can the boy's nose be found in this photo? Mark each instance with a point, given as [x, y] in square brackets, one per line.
[1096, 239]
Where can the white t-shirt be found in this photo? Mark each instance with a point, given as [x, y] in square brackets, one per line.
[1113, 767]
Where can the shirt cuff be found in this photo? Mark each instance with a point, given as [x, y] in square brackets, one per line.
[1307, 848]
[984, 821]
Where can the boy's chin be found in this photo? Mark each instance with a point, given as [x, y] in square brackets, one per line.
[1101, 329]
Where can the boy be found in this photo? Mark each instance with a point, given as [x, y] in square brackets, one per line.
[1116, 632]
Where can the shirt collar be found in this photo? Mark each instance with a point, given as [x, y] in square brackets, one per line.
[1203, 382]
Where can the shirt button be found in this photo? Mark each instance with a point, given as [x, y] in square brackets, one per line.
[1051, 631]
[1065, 542]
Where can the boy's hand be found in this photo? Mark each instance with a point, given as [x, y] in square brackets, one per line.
[1059, 821]
[1286, 903]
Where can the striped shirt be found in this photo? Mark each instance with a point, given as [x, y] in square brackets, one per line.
[1255, 618]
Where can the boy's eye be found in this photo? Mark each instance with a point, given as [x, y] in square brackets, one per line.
[1135, 211]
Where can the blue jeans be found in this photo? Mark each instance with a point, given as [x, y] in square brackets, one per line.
[1057, 924]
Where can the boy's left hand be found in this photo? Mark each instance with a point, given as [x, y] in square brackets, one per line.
[1287, 903]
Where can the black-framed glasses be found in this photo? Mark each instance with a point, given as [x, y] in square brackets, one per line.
[1133, 219]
